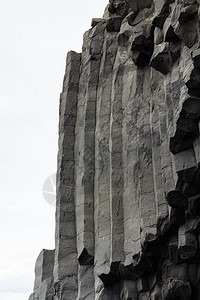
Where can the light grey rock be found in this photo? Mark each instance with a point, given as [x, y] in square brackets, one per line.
[43, 267]
[158, 35]
[85, 158]
[186, 165]
[102, 212]
[46, 290]
[43, 285]
[66, 265]
[86, 288]
[85, 143]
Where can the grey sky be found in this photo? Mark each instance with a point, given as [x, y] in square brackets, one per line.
[35, 37]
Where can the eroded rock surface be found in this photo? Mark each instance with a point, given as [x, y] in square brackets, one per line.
[128, 179]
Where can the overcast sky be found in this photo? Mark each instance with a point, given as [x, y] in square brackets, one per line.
[35, 36]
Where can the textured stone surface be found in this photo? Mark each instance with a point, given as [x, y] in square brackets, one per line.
[128, 179]
[44, 267]
[43, 285]
[66, 265]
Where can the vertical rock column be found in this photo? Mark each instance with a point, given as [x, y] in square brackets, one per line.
[161, 157]
[102, 158]
[43, 267]
[146, 180]
[66, 268]
[43, 285]
[85, 157]
[132, 244]
[116, 167]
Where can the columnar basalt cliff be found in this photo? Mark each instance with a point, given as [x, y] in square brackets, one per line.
[128, 179]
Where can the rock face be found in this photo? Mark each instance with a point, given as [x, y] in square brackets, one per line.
[128, 179]
[43, 285]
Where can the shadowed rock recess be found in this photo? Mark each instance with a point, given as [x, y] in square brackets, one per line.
[128, 178]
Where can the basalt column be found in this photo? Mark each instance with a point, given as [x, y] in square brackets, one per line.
[128, 178]
[66, 265]
[85, 158]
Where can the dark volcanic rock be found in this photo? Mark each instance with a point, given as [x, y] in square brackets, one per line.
[128, 178]
[176, 199]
